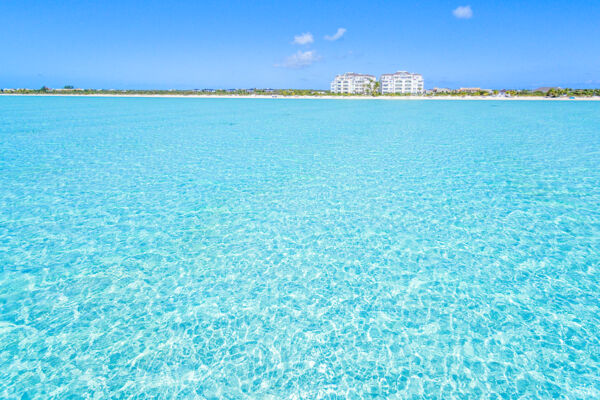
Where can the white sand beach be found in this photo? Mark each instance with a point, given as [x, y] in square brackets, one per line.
[325, 97]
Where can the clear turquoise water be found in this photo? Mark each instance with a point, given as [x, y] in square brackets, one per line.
[302, 249]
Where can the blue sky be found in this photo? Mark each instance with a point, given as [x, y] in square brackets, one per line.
[228, 44]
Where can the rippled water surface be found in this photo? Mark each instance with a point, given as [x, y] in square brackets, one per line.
[301, 249]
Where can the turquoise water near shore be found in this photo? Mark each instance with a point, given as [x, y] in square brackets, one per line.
[302, 249]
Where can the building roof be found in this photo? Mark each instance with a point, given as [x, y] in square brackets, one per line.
[355, 74]
[402, 73]
[546, 89]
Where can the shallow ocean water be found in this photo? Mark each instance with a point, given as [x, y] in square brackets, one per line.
[300, 249]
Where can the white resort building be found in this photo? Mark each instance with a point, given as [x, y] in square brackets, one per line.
[352, 83]
[402, 82]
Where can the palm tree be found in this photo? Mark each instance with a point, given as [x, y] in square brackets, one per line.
[372, 88]
[376, 87]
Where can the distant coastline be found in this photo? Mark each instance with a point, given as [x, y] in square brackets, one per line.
[542, 93]
[317, 97]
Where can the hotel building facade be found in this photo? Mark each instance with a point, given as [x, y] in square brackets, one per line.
[352, 83]
[402, 82]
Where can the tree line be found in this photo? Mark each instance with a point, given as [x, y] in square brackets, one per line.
[372, 90]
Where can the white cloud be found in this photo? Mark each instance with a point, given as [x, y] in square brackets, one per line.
[463, 12]
[340, 32]
[305, 38]
[300, 59]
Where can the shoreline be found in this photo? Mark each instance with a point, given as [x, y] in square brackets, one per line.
[326, 97]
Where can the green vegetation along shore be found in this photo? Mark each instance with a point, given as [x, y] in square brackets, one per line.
[70, 90]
